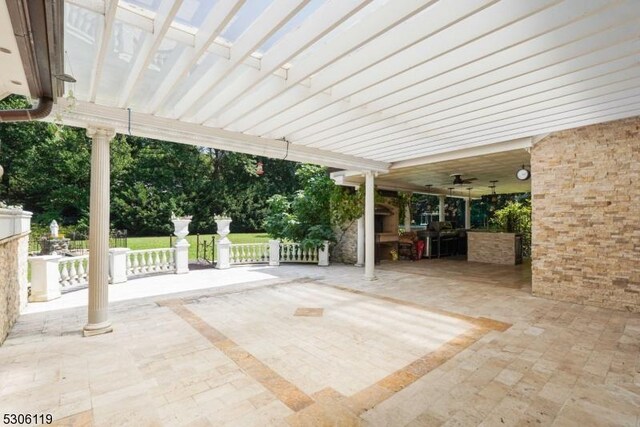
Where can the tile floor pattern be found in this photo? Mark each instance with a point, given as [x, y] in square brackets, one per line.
[417, 347]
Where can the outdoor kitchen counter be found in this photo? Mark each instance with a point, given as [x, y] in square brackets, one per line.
[494, 248]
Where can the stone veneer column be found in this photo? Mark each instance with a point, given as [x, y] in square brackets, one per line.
[99, 322]
[585, 190]
[441, 208]
[360, 243]
[370, 228]
[407, 216]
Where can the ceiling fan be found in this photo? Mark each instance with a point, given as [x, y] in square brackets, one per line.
[457, 179]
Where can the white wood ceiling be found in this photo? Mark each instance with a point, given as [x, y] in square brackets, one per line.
[382, 81]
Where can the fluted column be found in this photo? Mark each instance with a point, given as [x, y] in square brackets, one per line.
[441, 208]
[99, 322]
[370, 227]
[467, 213]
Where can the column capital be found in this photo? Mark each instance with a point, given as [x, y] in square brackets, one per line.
[100, 131]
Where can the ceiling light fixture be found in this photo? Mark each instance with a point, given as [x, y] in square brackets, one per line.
[4, 50]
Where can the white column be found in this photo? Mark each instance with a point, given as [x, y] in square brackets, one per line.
[118, 264]
[467, 213]
[323, 254]
[441, 208]
[45, 278]
[370, 230]
[99, 322]
[407, 216]
[224, 254]
[360, 247]
[274, 252]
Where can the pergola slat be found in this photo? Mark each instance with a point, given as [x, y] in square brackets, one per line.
[565, 72]
[321, 22]
[104, 36]
[539, 102]
[570, 123]
[276, 15]
[368, 79]
[458, 81]
[163, 20]
[369, 27]
[489, 32]
[219, 16]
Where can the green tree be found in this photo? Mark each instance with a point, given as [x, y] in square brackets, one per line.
[316, 212]
[515, 217]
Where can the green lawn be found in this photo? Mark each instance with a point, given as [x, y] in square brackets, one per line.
[135, 243]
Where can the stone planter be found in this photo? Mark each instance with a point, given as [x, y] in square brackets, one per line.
[181, 228]
[223, 228]
[224, 244]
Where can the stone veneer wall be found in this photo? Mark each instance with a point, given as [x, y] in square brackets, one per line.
[586, 215]
[13, 280]
[493, 248]
[346, 250]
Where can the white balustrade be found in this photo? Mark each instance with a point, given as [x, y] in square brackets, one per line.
[74, 271]
[249, 253]
[295, 252]
[149, 261]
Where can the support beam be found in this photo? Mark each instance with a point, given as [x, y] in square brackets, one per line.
[467, 213]
[149, 126]
[360, 244]
[99, 322]
[441, 199]
[370, 230]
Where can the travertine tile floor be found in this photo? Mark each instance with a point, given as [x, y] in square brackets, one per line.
[439, 342]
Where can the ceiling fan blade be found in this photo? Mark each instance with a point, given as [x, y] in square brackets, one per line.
[469, 180]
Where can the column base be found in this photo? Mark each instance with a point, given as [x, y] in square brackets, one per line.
[358, 264]
[97, 329]
[44, 297]
[370, 279]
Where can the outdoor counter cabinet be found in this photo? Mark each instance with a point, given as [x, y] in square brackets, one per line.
[494, 247]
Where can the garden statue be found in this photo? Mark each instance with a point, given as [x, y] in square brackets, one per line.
[53, 227]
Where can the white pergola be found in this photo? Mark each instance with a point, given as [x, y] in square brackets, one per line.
[385, 88]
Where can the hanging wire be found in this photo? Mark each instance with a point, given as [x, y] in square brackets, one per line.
[66, 53]
[287, 150]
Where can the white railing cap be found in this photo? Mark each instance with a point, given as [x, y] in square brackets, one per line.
[119, 250]
[44, 258]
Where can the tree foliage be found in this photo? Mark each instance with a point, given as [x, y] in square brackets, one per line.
[515, 217]
[47, 170]
[319, 211]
